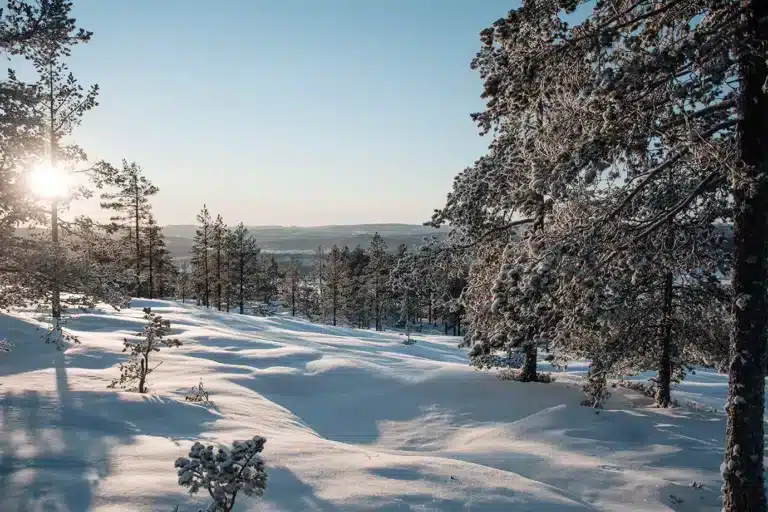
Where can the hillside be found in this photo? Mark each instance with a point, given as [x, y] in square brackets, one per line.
[355, 420]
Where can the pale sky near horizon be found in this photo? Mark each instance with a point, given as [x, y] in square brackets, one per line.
[287, 112]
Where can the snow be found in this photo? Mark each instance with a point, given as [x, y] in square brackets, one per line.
[354, 420]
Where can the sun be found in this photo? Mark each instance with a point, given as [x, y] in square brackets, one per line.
[48, 182]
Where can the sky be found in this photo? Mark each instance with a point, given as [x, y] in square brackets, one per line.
[286, 112]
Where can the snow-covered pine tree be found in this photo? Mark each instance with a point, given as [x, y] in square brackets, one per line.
[26, 29]
[61, 103]
[161, 273]
[334, 282]
[378, 279]
[74, 256]
[183, 280]
[137, 369]
[271, 278]
[224, 473]
[291, 285]
[309, 298]
[218, 248]
[130, 202]
[317, 277]
[689, 76]
[356, 298]
[244, 273]
[200, 253]
[406, 279]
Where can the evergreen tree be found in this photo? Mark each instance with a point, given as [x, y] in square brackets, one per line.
[244, 274]
[308, 298]
[27, 30]
[132, 209]
[218, 246]
[62, 103]
[604, 119]
[271, 278]
[318, 277]
[356, 298]
[334, 282]
[291, 285]
[79, 260]
[201, 248]
[183, 280]
[378, 279]
[160, 271]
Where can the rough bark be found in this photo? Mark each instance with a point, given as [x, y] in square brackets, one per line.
[664, 378]
[743, 465]
[528, 372]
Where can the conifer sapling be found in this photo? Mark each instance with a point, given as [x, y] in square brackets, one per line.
[225, 472]
[149, 340]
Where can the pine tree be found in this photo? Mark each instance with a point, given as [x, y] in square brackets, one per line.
[271, 278]
[137, 369]
[131, 204]
[356, 298]
[291, 285]
[334, 282]
[160, 271]
[600, 114]
[318, 277]
[201, 248]
[27, 31]
[244, 274]
[218, 245]
[62, 104]
[378, 278]
[183, 280]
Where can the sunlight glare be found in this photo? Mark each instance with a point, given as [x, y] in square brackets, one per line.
[49, 182]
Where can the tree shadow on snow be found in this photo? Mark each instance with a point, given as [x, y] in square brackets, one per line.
[285, 491]
[55, 447]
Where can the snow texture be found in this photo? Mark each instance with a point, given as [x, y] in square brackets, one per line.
[354, 419]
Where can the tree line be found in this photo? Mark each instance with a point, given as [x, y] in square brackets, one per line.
[370, 287]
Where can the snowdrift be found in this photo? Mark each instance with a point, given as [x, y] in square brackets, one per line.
[354, 420]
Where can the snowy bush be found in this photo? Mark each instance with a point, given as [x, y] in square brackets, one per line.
[149, 340]
[596, 386]
[513, 359]
[516, 375]
[224, 472]
[199, 394]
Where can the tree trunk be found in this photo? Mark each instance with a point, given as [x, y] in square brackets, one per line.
[218, 272]
[150, 249]
[205, 264]
[241, 284]
[335, 300]
[664, 379]
[528, 372]
[742, 469]
[55, 292]
[136, 226]
[143, 364]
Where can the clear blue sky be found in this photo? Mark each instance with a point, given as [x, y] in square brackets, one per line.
[287, 112]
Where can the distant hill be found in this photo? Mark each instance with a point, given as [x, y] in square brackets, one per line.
[294, 239]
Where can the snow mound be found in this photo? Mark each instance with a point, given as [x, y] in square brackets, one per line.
[354, 420]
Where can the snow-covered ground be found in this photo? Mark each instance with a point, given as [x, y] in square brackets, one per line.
[354, 420]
